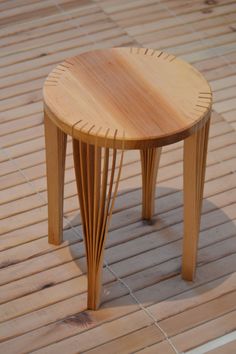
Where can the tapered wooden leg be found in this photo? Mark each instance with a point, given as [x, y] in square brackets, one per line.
[195, 152]
[55, 141]
[96, 196]
[150, 159]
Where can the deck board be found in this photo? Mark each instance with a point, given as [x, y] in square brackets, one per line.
[43, 287]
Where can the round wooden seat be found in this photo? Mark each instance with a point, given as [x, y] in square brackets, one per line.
[123, 98]
[132, 96]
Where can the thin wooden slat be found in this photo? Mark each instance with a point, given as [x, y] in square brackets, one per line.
[9, 207]
[21, 100]
[185, 43]
[194, 46]
[21, 219]
[15, 114]
[171, 22]
[169, 158]
[13, 126]
[122, 40]
[36, 10]
[13, 29]
[221, 95]
[210, 250]
[149, 161]
[224, 349]
[200, 334]
[60, 46]
[129, 233]
[129, 342]
[76, 32]
[230, 116]
[25, 135]
[172, 325]
[84, 343]
[50, 25]
[196, 296]
[227, 105]
[177, 218]
[215, 131]
[6, 5]
[181, 29]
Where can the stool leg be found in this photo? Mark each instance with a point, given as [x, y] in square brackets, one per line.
[95, 183]
[150, 159]
[195, 152]
[55, 141]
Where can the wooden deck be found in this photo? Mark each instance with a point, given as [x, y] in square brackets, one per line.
[43, 287]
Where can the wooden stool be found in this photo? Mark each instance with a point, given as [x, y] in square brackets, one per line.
[123, 98]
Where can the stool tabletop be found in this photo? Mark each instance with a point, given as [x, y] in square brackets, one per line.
[131, 98]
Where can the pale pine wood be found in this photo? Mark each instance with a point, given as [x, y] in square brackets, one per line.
[158, 99]
[195, 152]
[95, 186]
[55, 140]
[150, 159]
[167, 101]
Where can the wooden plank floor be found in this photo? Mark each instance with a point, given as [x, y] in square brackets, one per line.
[43, 287]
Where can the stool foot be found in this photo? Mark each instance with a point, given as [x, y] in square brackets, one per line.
[150, 159]
[96, 196]
[55, 141]
[195, 152]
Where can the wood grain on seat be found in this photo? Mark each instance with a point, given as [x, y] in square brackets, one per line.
[150, 97]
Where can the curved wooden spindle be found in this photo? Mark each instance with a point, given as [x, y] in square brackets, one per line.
[195, 153]
[150, 159]
[95, 177]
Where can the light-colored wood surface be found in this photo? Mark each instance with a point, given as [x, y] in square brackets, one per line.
[156, 98]
[97, 189]
[43, 288]
[195, 154]
[55, 147]
[150, 159]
